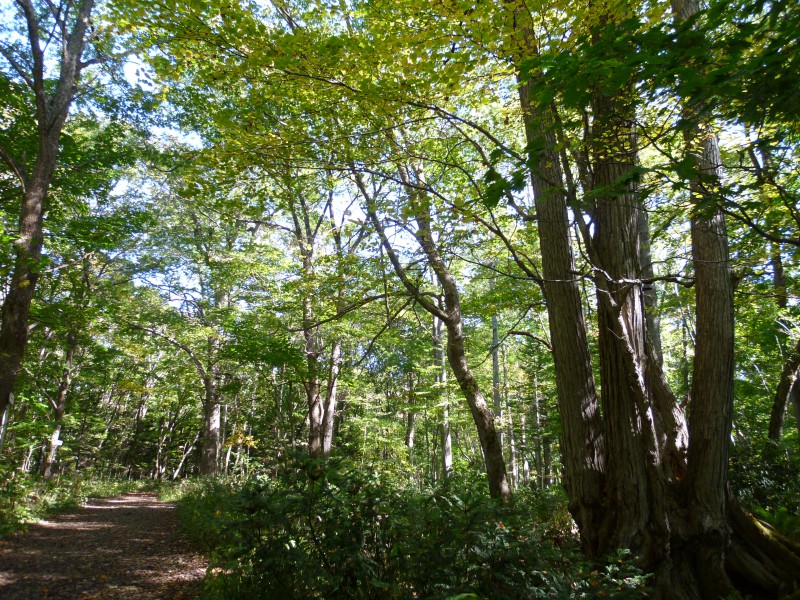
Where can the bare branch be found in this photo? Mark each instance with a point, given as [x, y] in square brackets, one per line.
[393, 258]
[348, 309]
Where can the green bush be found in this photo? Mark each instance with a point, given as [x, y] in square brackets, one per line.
[342, 532]
[25, 498]
[766, 481]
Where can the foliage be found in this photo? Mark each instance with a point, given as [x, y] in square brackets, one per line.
[345, 532]
[766, 478]
[24, 498]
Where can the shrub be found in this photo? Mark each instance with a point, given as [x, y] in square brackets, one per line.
[340, 532]
[25, 498]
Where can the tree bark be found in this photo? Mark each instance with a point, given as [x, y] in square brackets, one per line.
[450, 316]
[712, 393]
[60, 404]
[210, 446]
[51, 114]
[635, 515]
[582, 429]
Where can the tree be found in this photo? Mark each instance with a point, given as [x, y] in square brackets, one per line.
[66, 28]
[450, 315]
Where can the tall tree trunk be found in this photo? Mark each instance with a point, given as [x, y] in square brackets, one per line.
[451, 317]
[312, 385]
[512, 446]
[496, 396]
[710, 552]
[331, 396]
[441, 395]
[52, 109]
[304, 236]
[411, 431]
[786, 386]
[649, 292]
[210, 454]
[60, 405]
[582, 429]
[539, 437]
[482, 415]
[630, 431]
[526, 465]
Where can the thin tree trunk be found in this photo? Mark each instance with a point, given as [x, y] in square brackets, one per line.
[209, 458]
[441, 394]
[526, 465]
[4, 427]
[187, 450]
[786, 385]
[60, 404]
[512, 441]
[331, 397]
[539, 437]
[451, 317]
[411, 430]
[496, 396]
[649, 292]
[456, 353]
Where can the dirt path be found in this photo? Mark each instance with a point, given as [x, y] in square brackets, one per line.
[125, 547]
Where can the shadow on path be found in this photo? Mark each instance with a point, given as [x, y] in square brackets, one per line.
[125, 547]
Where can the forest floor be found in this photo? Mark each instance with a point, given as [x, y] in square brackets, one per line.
[124, 547]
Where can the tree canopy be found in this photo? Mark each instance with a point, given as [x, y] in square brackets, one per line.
[511, 246]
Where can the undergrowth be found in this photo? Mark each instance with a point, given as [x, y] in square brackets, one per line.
[25, 498]
[766, 478]
[341, 532]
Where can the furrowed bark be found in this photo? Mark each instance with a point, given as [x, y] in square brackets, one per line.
[582, 430]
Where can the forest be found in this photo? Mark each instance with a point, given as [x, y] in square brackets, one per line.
[412, 299]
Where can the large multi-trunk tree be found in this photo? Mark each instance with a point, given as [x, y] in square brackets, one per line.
[648, 490]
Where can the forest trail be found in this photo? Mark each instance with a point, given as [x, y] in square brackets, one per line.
[113, 548]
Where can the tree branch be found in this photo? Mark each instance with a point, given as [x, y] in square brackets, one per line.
[17, 67]
[528, 334]
[393, 258]
[200, 368]
[17, 167]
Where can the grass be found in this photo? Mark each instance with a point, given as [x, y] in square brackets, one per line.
[25, 499]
